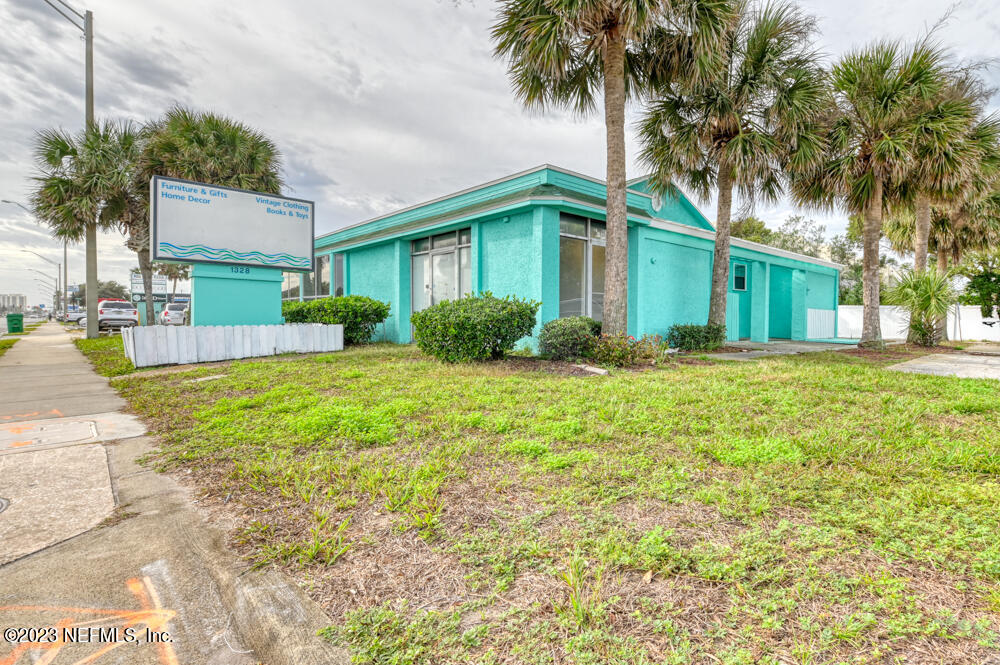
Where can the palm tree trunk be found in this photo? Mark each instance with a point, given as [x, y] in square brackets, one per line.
[720, 267]
[146, 269]
[942, 268]
[922, 233]
[871, 330]
[616, 268]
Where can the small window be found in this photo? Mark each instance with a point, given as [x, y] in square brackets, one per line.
[465, 237]
[572, 225]
[739, 277]
[598, 231]
[444, 240]
[422, 245]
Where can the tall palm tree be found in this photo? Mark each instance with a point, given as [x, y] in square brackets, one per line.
[878, 94]
[89, 178]
[950, 146]
[740, 127]
[566, 52]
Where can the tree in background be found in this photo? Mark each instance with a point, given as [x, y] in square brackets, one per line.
[110, 289]
[743, 126]
[174, 272]
[565, 52]
[878, 93]
[797, 234]
[982, 269]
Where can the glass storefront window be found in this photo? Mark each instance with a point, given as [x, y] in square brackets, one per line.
[581, 266]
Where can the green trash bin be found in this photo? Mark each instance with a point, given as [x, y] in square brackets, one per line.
[15, 323]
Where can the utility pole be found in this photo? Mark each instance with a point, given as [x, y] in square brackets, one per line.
[91, 233]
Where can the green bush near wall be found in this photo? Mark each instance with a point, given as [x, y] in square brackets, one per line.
[693, 337]
[569, 338]
[478, 327]
[358, 314]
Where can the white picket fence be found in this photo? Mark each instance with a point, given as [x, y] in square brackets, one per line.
[964, 324]
[146, 346]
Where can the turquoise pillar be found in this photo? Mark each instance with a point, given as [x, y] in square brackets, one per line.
[402, 305]
[545, 237]
[798, 304]
[732, 317]
[476, 251]
[760, 301]
[632, 301]
[235, 295]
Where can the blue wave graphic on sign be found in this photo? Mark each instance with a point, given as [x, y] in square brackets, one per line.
[213, 254]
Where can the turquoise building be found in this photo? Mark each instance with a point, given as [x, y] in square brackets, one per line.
[540, 234]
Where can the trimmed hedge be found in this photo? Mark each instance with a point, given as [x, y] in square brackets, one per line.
[693, 337]
[477, 327]
[358, 314]
[569, 338]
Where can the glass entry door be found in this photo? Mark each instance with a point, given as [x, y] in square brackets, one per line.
[440, 268]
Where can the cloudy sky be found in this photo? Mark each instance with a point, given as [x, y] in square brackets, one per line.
[375, 105]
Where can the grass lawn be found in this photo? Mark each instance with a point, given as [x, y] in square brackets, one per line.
[802, 509]
[6, 344]
[106, 354]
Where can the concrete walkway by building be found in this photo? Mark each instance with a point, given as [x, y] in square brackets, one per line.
[981, 365]
[754, 350]
[92, 543]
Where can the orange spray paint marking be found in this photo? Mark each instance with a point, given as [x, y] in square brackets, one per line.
[20, 444]
[152, 616]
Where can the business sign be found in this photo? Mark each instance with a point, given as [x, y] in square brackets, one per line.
[73, 288]
[159, 285]
[156, 297]
[193, 222]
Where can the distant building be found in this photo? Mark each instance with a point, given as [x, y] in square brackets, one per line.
[13, 302]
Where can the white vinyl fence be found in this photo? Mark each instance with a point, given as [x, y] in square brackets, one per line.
[964, 323]
[819, 323]
[178, 345]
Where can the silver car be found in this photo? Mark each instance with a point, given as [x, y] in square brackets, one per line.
[173, 314]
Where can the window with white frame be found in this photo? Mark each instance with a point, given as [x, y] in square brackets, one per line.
[338, 275]
[581, 266]
[441, 268]
[316, 284]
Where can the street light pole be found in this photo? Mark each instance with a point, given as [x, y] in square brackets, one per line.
[58, 267]
[90, 233]
[65, 263]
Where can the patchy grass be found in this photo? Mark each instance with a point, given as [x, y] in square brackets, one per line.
[6, 344]
[106, 354]
[802, 509]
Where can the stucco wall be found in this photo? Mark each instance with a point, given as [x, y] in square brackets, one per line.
[674, 281]
[373, 271]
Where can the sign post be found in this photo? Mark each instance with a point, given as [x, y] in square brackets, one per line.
[238, 241]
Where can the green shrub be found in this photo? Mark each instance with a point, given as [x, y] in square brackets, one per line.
[477, 327]
[358, 314]
[927, 297]
[693, 337]
[624, 350]
[569, 338]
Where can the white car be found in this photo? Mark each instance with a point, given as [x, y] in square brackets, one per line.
[173, 314]
[116, 314]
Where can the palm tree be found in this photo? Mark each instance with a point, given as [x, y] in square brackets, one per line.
[89, 178]
[742, 126]
[878, 94]
[174, 272]
[564, 52]
[209, 148]
[950, 146]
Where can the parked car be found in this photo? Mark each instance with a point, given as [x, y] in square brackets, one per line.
[173, 314]
[115, 314]
[74, 317]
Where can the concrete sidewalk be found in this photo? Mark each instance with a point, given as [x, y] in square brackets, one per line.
[89, 539]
